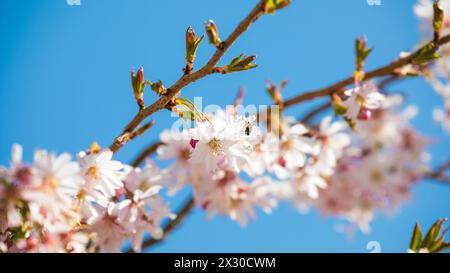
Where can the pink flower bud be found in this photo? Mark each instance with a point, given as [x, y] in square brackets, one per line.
[193, 143]
[364, 114]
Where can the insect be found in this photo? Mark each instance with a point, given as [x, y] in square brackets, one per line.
[249, 124]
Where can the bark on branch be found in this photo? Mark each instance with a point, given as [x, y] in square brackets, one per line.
[187, 79]
[173, 91]
[338, 87]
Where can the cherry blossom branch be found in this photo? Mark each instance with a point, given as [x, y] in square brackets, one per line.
[388, 81]
[444, 179]
[187, 79]
[171, 93]
[439, 173]
[209, 68]
[308, 116]
[386, 70]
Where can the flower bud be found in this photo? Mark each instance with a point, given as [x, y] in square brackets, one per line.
[23, 175]
[140, 76]
[280, 4]
[364, 114]
[138, 84]
[213, 33]
[361, 52]
[190, 36]
[192, 43]
[338, 107]
[270, 6]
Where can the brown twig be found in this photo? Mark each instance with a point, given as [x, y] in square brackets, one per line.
[443, 178]
[183, 211]
[327, 105]
[145, 153]
[338, 87]
[314, 112]
[173, 92]
[439, 172]
[187, 79]
[383, 84]
[187, 207]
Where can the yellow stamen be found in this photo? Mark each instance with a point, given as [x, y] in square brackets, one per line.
[51, 181]
[360, 99]
[93, 172]
[95, 148]
[377, 176]
[287, 145]
[215, 145]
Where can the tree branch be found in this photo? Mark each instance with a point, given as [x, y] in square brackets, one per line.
[308, 116]
[173, 91]
[182, 213]
[314, 112]
[338, 87]
[145, 153]
[171, 225]
[439, 173]
[187, 79]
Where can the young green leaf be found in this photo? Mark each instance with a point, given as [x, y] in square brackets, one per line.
[270, 6]
[213, 33]
[416, 238]
[239, 63]
[432, 234]
[158, 88]
[426, 54]
[192, 42]
[433, 242]
[362, 52]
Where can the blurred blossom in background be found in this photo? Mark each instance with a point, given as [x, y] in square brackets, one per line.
[64, 82]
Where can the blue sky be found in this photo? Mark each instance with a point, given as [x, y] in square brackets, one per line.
[64, 83]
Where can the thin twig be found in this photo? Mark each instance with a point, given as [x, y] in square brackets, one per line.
[327, 105]
[183, 211]
[388, 81]
[165, 99]
[145, 153]
[338, 87]
[187, 207]
[439, 173]
[443, 178]
[315, 111]
[187, 79]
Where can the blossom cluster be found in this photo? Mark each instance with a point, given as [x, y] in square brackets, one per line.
[235, 165]
[364, 159]
[57, 204]
[386, 158]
